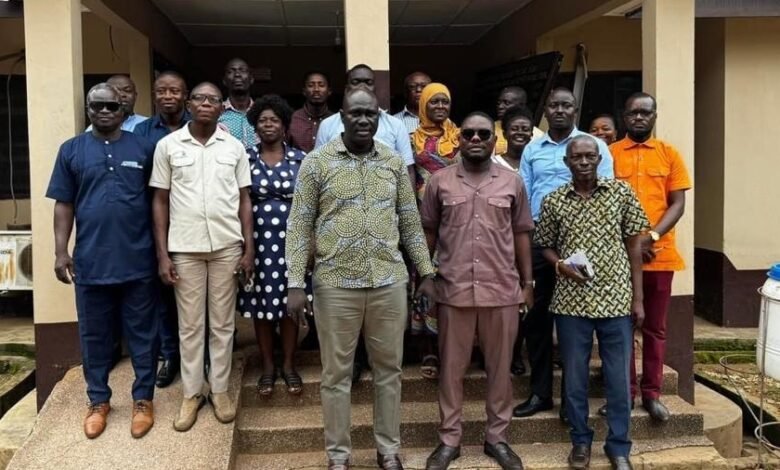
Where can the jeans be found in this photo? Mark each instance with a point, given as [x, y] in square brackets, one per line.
[575, 339]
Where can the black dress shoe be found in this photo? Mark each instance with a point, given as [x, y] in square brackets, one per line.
[504, 455]
[603, 409]
[656, 409]
[357, 371]
[579, 457]
[532, 406]
[338, 464]
[167, 372]
[441, 458]
[620, 463]
[389, 462]
[518, 368]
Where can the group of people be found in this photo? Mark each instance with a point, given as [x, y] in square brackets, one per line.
[216, 207]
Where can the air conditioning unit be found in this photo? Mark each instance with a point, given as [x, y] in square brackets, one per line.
[16, 260]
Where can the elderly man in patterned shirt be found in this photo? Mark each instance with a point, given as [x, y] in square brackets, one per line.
[603, 219]
[353, 204]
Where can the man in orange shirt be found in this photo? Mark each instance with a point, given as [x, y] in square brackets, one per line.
[657, 173]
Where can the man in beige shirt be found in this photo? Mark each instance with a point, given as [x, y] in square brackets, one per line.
[202, 216]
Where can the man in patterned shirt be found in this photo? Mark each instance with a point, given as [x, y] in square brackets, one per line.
[352, 207]
[238, 81]
[602, 218]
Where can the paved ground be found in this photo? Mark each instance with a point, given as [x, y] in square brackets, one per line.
[16, 330]
[702, 329]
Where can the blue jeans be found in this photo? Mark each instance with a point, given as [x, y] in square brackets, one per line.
[575, 340]
[134, 305]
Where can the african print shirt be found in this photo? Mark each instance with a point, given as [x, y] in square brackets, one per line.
[354, 210]
[597, 225]
[234, 121]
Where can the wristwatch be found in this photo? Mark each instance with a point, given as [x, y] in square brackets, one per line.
[525, 284]
[654, 235]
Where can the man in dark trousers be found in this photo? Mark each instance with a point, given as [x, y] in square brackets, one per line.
[99, 181]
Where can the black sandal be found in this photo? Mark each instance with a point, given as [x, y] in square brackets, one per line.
[265, 385]
[293, 381]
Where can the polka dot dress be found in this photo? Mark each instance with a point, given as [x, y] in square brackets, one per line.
[272, 192]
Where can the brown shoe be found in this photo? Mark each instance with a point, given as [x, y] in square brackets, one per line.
[95, 420]
[143, 418]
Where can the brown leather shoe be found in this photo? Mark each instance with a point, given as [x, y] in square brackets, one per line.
[95, 420]
[143, 418]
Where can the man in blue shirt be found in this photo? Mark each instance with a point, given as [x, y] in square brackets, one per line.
[99, 181]
[544, 170]
[127, 96]
[170, 93]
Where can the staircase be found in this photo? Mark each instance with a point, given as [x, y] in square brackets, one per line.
[286, 432]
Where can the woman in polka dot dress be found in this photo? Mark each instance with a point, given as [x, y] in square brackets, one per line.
[274, 167]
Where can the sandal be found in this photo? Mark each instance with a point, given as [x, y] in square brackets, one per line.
[430, 367]
[293, 381]
[265, 385]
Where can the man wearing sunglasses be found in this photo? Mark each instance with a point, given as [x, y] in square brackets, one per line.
[202, 218]
[477, 213]
[543, 170]
[99, 182]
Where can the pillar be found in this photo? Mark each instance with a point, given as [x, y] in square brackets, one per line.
[367, 27]
[140, 58]
[668, 74]
[55, 107]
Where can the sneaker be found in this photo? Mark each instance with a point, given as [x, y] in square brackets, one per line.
[188, 413]
[223, 407]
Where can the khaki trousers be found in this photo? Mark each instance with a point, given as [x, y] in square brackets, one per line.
[340, 314]
[206, 277]
[496, 328]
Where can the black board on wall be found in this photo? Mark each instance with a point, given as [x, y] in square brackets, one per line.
[535, 74]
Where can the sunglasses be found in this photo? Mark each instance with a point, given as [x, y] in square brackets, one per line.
[111, 106]
[483, 134]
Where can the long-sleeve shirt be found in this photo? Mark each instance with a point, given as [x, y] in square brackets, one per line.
[352, 211]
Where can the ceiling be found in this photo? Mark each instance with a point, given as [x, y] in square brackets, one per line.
[313, 22]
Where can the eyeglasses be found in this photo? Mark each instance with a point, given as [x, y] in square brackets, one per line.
[212, 99]
[483, 134]
[111, 106]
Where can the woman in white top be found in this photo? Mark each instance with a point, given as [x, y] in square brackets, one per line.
[518, 127]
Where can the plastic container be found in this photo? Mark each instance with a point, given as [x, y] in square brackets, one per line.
[770, 319]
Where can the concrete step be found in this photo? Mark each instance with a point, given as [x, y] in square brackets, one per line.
[415, 387]
[299, 429]
[661, 454]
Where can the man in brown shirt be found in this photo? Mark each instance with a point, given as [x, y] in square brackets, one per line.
[477, 214]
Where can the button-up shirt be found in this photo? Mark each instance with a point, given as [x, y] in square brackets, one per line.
[390, 132]
[654, 169]
[598, 225]
[544, 171]
[204, 183]
[303, 128]
[501, 143]
[410, 120]
[236, 124]
[155, 129]
[106, 183]
[128, 124]
[353, 210]
[476, 225]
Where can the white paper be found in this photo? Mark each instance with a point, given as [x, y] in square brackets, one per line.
[580, 259]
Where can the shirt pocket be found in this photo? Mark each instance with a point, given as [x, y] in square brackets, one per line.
[226, 168]
[182, 167]
[499, 214]
[657, 178]
[455, 211]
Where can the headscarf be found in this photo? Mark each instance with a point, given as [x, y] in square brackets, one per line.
[447, 131]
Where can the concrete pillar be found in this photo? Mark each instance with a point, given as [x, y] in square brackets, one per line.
[140, 58]
[668, 74]
[367, 27]
[55, 110]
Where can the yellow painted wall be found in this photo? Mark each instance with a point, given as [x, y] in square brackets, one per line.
[613, 43]
[710, 135]
[752, 220]
[7, 212]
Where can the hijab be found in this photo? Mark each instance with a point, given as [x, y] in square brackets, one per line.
[447, 131]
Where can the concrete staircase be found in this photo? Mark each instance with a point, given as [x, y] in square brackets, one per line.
[286, 432]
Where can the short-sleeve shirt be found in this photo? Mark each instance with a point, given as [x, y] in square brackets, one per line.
[543, 169]
[597, 225]
[154, 128]
[303, 128]
[654, 169]
[236, 124]
[106, 183]
[391, 132]
[476, 225]
[204, 183]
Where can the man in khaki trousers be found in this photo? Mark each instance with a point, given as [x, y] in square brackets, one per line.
[354, 203]
[202, 216]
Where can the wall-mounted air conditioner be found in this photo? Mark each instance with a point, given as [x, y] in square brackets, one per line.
[16, 260]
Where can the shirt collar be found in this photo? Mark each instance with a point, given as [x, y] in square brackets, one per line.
[219, 134]
[158, 121]
[547, 139]
[601, 183]
[627, 143]
[229, 106]
[406, 112]
[290, 152]
[461, 173]
[311, 116]
[342, 149]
